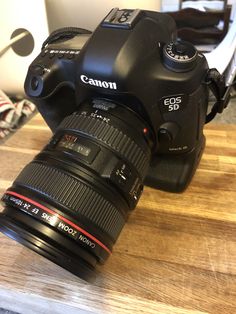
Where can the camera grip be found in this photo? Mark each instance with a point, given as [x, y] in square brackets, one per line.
[173, 173]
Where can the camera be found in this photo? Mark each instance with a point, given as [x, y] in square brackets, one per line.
[127, 105]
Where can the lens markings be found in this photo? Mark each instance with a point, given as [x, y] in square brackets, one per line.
[52, 218]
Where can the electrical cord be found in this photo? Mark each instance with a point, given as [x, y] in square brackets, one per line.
[13, 41]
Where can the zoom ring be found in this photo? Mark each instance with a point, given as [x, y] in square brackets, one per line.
[66, 190]
[112, 137]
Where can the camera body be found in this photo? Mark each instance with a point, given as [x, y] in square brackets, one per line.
[132, 59]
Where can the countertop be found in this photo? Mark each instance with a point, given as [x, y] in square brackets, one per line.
[176, 254]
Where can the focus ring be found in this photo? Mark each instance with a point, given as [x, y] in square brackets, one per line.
[111, 136]
[66, 190]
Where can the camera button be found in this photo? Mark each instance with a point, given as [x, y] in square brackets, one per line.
[70, 56]
[43, 53]
[167, 132]
[34, 83]
[37, 69]
[60, 55]
[180, 56]
[164, 136]
[180, 48]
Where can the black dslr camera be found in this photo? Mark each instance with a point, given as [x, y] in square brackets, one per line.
[127, 105]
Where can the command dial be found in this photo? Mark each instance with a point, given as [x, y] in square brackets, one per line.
[179, 56]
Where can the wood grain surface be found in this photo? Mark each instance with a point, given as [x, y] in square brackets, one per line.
[176, 254]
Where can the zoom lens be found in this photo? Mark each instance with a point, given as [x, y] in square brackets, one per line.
[71, 202]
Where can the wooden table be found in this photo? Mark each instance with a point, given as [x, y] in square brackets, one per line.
[181, 252]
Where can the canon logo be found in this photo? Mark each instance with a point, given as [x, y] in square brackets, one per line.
[98, 83]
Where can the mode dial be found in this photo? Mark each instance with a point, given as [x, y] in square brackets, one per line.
[179, 56]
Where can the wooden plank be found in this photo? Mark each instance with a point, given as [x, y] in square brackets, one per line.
[136, 278]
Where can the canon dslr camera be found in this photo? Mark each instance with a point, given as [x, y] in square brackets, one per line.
[127, 105]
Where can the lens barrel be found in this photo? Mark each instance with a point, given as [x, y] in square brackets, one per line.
[71, 202]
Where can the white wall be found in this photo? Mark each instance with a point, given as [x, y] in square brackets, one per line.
[88, 13]
[15, 14]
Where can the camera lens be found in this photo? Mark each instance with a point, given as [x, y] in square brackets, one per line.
[71, 202]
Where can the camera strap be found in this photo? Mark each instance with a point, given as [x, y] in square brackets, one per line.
[216, 83]
[64, 33]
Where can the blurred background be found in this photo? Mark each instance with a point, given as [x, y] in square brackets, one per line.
[89, 13]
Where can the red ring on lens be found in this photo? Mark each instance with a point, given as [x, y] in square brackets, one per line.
[52, 212]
